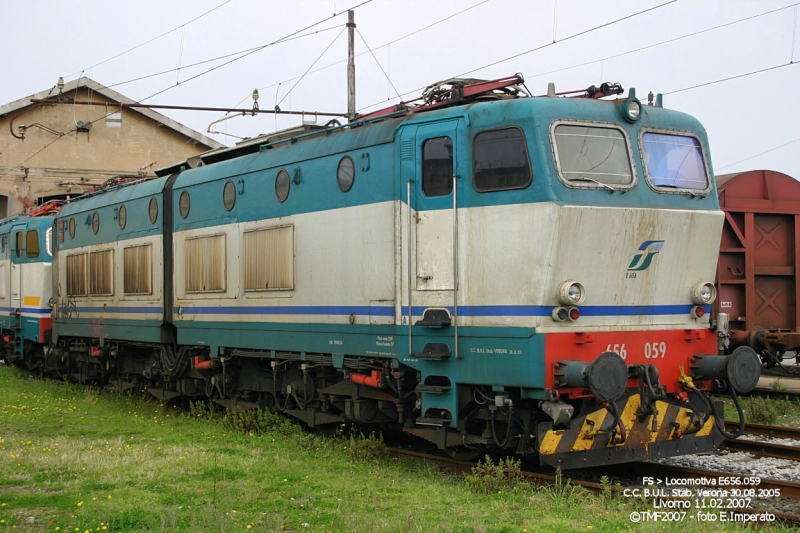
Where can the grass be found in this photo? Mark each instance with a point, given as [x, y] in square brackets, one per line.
[766, 410]
[80, 460]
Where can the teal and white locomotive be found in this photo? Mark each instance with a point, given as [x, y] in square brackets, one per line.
[482, 269]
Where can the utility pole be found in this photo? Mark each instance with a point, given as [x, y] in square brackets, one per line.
[351, 67]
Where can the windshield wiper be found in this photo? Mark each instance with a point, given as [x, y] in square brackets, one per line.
[592, 180]
[682, 189]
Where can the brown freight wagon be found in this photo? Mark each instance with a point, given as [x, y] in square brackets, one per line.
[759, 261]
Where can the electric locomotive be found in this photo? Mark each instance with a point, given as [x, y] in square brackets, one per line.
[26, 250]
[481, 269]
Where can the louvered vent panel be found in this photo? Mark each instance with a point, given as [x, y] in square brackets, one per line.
[269, 259]
[138, 270]
[205, 264]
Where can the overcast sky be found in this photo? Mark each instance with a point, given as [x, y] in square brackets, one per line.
[753, 121]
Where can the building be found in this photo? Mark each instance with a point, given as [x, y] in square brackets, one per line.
[52, 151]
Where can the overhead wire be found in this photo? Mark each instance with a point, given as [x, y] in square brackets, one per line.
[291, 35]
[729, 78]
[376, 48]
[379, 63]
[153, 39]
[756, 155]
[253, 51]
[584, 32]
[309, 68]
[218, 58]
[574, 35]
[654, 45]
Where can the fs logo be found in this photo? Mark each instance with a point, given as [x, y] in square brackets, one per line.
[644, 256]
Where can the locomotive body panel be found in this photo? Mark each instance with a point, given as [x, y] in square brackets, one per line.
[109, 265]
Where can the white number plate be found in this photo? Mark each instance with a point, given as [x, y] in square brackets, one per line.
[651, 350]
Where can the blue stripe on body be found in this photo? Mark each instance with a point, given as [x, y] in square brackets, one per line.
[29, 310]
[116, 310]
[466, 310]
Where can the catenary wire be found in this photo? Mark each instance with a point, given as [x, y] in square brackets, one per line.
[654, 45]
[379, 63]
[729, 78]
[151, 40]
[218, 58]
[568, 38]
[309, 68]
[293, 34]
[252, 52]
[584, 32]
[376, 48]
[757, 155]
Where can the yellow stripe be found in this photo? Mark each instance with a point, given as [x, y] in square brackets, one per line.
[628, 417]
[707, 428]
[582, 442]
[550, 442]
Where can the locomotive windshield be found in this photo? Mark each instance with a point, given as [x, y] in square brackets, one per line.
[674, 161]
[597, 155]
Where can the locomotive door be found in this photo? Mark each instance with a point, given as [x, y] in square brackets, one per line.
[436, 164]
[17, 252]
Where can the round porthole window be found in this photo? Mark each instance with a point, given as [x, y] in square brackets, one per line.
[95, 222]
[229, 195]
[72, 228]
[122, 217]
[185, 204]
[153, 210]
[282, 185]
[345, 174]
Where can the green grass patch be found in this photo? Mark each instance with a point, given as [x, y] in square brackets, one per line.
[779, 411]
[74, 459]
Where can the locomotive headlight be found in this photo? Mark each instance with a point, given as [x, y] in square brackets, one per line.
[631, 109]
[704, 293]
[571, 293]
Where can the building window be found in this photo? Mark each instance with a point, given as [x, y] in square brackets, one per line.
[269, 259]
[114, 120]
[500, 160]
[205, 264]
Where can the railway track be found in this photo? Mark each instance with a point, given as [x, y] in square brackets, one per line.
[789, 491]
[766, 448]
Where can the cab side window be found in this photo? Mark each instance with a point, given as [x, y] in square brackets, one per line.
[437, 166]
[32, 241]
[500, 160]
